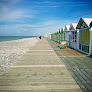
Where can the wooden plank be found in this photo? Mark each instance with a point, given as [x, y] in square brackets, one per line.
[83, 64]
[87, 82]
[38, 73]
[80, 66]
[82, 80]
[76, 63]
[72, 64]
[71, 61]
[82, 86]
[64, 60]
[78, 81]
[85, 73]
[89, 72]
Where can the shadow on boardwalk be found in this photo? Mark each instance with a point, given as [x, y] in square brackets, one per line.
[79, 65]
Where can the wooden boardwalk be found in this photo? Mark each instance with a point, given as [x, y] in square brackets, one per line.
[79, 65]
[39, 70]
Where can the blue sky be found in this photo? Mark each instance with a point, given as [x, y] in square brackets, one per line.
[40, 17]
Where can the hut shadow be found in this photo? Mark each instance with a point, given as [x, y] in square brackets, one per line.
[90, 56]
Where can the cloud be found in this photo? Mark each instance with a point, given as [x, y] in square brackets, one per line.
[9, 13]
[13, 15]
[42, 28]
[27, 29]
[15, 1]
[72, 5]
[10, 1]
[60, 4]
[45, 2]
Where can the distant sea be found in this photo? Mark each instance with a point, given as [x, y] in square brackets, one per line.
[8, 38]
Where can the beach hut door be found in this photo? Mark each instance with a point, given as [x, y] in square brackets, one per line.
[84, 40]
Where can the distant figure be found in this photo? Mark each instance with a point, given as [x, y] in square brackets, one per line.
[40, 37]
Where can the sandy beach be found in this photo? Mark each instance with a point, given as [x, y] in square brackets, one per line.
[10, 51]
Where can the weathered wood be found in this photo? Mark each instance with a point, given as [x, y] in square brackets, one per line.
[79, 80]
[79, 65]
[39, 70]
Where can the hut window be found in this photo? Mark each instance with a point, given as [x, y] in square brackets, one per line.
[74, 36]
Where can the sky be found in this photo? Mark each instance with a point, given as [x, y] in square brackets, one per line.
[40, 17]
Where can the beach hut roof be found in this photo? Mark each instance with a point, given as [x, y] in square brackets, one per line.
[86, 21]
[73, 26]
[62, 28]
[67, 27]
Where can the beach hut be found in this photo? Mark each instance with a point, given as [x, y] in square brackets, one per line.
[62, 34]
[67, 27]
[49, 36]
[53, 36]
[67, 32]
[85, 35]
[73, 36]
[58, 36]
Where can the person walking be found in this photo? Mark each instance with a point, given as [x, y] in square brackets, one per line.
[40, 38]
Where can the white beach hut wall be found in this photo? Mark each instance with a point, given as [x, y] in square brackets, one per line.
[85, 35]
[73, 36]
[49, 36]
[67, 32]
[62, 34]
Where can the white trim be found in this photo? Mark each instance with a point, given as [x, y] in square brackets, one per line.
[77, 39]
[90, 42]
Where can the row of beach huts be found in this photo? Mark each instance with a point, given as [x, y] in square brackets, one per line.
[78, 35]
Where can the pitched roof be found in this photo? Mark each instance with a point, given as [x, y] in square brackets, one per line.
[62, 28]
[74, 25]
[67, 26]
[87, 21]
